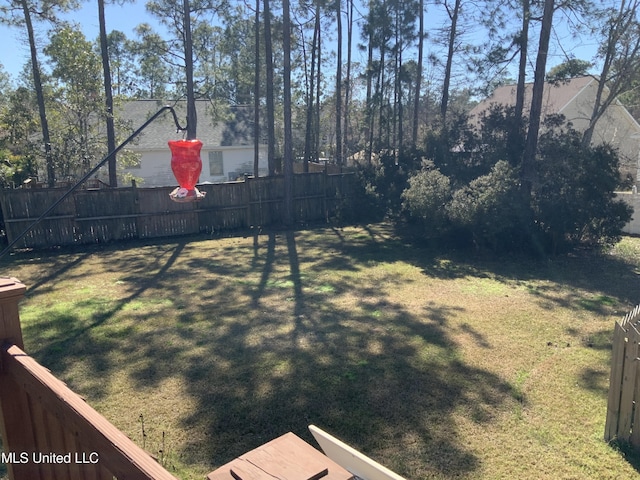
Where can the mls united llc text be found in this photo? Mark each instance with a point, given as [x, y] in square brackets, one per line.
[50, 458]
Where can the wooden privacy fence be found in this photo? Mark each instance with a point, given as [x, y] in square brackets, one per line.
[48, 431]
[93, 216]
[623, 406]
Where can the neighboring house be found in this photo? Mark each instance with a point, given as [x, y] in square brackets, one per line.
[574, 99]
[227, 151]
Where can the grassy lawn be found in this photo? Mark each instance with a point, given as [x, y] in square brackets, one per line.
[438, 365]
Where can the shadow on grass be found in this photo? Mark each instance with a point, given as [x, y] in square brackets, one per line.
[628, 452]
[263, 349]
[69, 336]
[370, 380]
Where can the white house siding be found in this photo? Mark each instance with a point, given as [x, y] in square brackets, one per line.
[155, 166]
[616, 127]
[236, 161]
[154, 169]
[621, 133]
[232, 136]
[575, 101]
[632, 199]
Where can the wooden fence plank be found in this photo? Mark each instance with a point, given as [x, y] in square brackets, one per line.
[635, 426]
[615, 382]
[629, 379]
[95, 216]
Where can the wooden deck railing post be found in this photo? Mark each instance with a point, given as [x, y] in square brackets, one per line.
[11, 428]
[11, 291]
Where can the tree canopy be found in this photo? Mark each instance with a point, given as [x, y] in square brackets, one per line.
[400, 87]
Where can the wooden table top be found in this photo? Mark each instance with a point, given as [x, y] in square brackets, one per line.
[286, 458]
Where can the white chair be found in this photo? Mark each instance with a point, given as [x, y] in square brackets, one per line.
[349, 458]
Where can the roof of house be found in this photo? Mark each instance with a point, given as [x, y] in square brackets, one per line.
[573, 98]
[236, 128]
[556, 96]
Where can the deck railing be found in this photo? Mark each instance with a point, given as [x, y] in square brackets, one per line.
[48, 431]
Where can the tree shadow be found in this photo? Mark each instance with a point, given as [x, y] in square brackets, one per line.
[66, 336]
[263, 350]
[371, 378]
[357, 378]
[613, 281]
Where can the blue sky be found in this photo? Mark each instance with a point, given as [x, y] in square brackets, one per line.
[14, 52]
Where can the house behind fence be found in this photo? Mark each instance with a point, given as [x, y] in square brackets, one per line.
[103, 215]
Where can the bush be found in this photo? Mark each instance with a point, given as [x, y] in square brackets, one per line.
[573, 198]
[490, 210]
[385, 179]
[471, 188]
[426, 198]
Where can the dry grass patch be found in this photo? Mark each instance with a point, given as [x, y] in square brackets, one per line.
[438, 364]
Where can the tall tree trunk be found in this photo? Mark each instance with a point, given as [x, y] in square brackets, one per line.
[192, 119]
[339, 84]
[523, 41]
[37, 83]
[108, 95]
[271, 116]
[369, 102]
[400, 109]
[318, 94]
[620, 63]
[597, 112]
[256, 96]
[516, 133]
[453, 33]
[309, 137]
[396, 86]
[347, 84]
[288, 133]
[416, 100]
[531, 144]
[398, 114]
[380, 92]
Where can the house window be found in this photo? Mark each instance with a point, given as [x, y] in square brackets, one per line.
[215, 163]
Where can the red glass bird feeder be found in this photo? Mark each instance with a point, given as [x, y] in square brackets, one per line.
[186, 165]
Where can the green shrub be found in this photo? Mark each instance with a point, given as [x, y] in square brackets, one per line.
[490, 210]
[426, 198]
[470, 190]
[573, 198]
[385, 179]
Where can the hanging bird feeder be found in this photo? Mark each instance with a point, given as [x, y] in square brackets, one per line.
[186, 166]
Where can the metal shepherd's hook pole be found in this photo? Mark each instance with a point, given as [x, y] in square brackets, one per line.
[94, 170]
[192, 119]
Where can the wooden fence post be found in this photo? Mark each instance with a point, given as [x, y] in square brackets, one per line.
[325, 202]
[629, 378]
[247, 200]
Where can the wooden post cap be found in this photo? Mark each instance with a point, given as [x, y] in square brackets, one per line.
[11, 291]
[11, 287]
